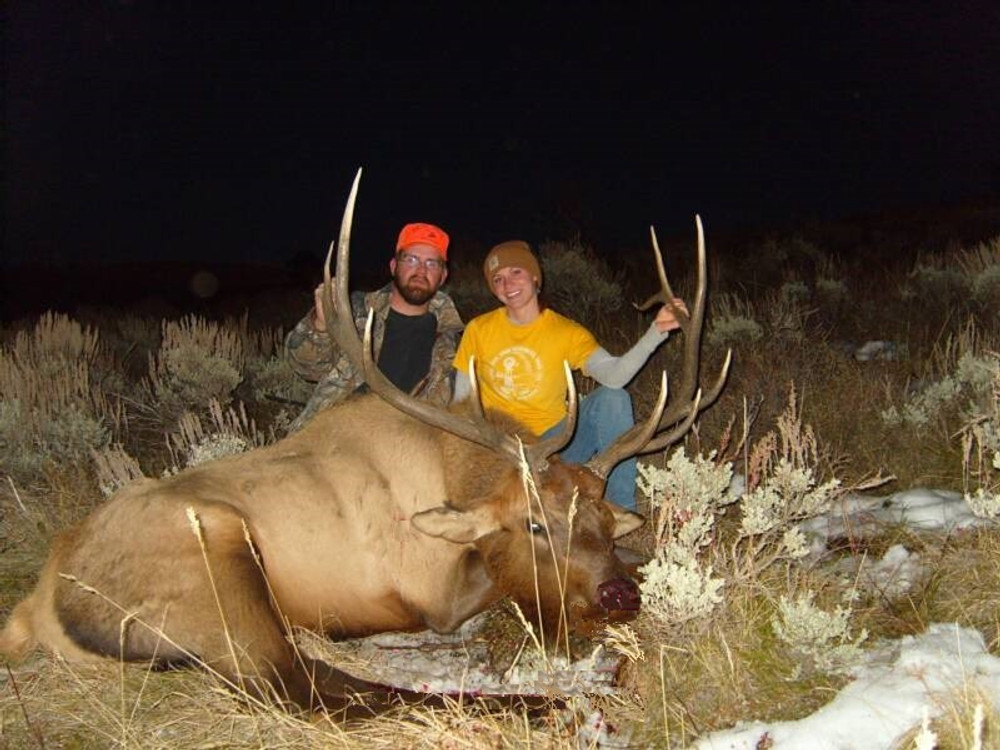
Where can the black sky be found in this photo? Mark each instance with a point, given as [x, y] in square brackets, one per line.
[194, 130]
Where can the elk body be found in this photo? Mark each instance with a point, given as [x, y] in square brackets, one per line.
[383, 513]
[348, 520]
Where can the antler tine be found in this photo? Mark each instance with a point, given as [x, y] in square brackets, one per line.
[478, 431]
[337, 307]
[692, 329]
[633, 441]
[661, 271]
[665, 295]
[688, 399]
[701, 402]
[541, 450]
[337, 310]
[477, 404]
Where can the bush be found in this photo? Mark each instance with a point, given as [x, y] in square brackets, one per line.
[963, 394]
[273, 378]
[51, 411]
[831, 293]
[230, 432]
[946, 286]
[688, 497]
[198, 361]
[732, 324]
[579, 284]
[818, 635]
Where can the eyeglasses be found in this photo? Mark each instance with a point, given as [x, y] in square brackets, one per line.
[412, 261]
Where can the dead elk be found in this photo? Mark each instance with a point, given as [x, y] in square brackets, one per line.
[383, 513]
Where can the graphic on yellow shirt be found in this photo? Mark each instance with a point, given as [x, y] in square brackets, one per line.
[520, 366]
[516, 372]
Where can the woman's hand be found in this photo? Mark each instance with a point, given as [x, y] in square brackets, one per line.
[666, 320]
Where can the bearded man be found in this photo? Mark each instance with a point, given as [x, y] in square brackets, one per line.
[415, 333]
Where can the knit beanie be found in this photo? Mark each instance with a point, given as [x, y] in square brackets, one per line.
[511, 254]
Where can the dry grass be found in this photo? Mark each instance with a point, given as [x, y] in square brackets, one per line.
[964, 722]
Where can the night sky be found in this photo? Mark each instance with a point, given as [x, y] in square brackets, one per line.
[232, 131]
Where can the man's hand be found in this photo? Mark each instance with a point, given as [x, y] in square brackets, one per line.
[666, 320]
[319, 317]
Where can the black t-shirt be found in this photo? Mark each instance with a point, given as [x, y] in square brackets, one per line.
[405, 357]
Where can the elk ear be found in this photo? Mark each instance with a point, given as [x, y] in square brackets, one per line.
[461, 527]
[625, 520]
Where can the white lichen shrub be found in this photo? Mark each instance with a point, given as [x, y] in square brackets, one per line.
[818, 635]
[215, 446]
[729, 332]
[683, 492]
[981, 265]
[678, 587]
[985, 503]
[986, 288]
[684, 499]
[230, 432]
[688, 496]
[788, 494]
[783, 489]
[925, 406]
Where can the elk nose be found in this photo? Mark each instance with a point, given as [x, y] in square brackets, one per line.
[619, 594]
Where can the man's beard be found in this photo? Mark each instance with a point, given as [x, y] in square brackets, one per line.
[414, 295]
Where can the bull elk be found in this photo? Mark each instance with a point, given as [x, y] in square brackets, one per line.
[383, 513]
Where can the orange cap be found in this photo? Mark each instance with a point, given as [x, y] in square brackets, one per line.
[423, 234]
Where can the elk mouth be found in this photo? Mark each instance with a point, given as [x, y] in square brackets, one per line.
[619, 595]
[618, 600]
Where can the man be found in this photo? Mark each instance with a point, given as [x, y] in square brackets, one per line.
[415, 333]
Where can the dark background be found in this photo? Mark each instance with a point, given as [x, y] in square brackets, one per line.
[207, 133]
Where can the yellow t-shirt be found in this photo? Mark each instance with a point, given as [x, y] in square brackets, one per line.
[519, 367]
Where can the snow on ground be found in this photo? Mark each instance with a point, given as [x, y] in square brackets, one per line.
[886, 699]
[901, 678]
[919, 508]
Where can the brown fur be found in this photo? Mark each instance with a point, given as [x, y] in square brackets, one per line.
[364, 521]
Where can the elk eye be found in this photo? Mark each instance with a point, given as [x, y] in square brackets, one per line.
[535, 528]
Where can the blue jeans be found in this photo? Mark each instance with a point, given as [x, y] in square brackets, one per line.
[604, 415]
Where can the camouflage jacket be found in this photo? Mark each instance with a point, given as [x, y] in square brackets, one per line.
[314, 357]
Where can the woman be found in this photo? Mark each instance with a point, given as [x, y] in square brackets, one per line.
[519, 350]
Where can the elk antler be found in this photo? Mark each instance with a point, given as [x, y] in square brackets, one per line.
[340, 321]
[655, 433]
